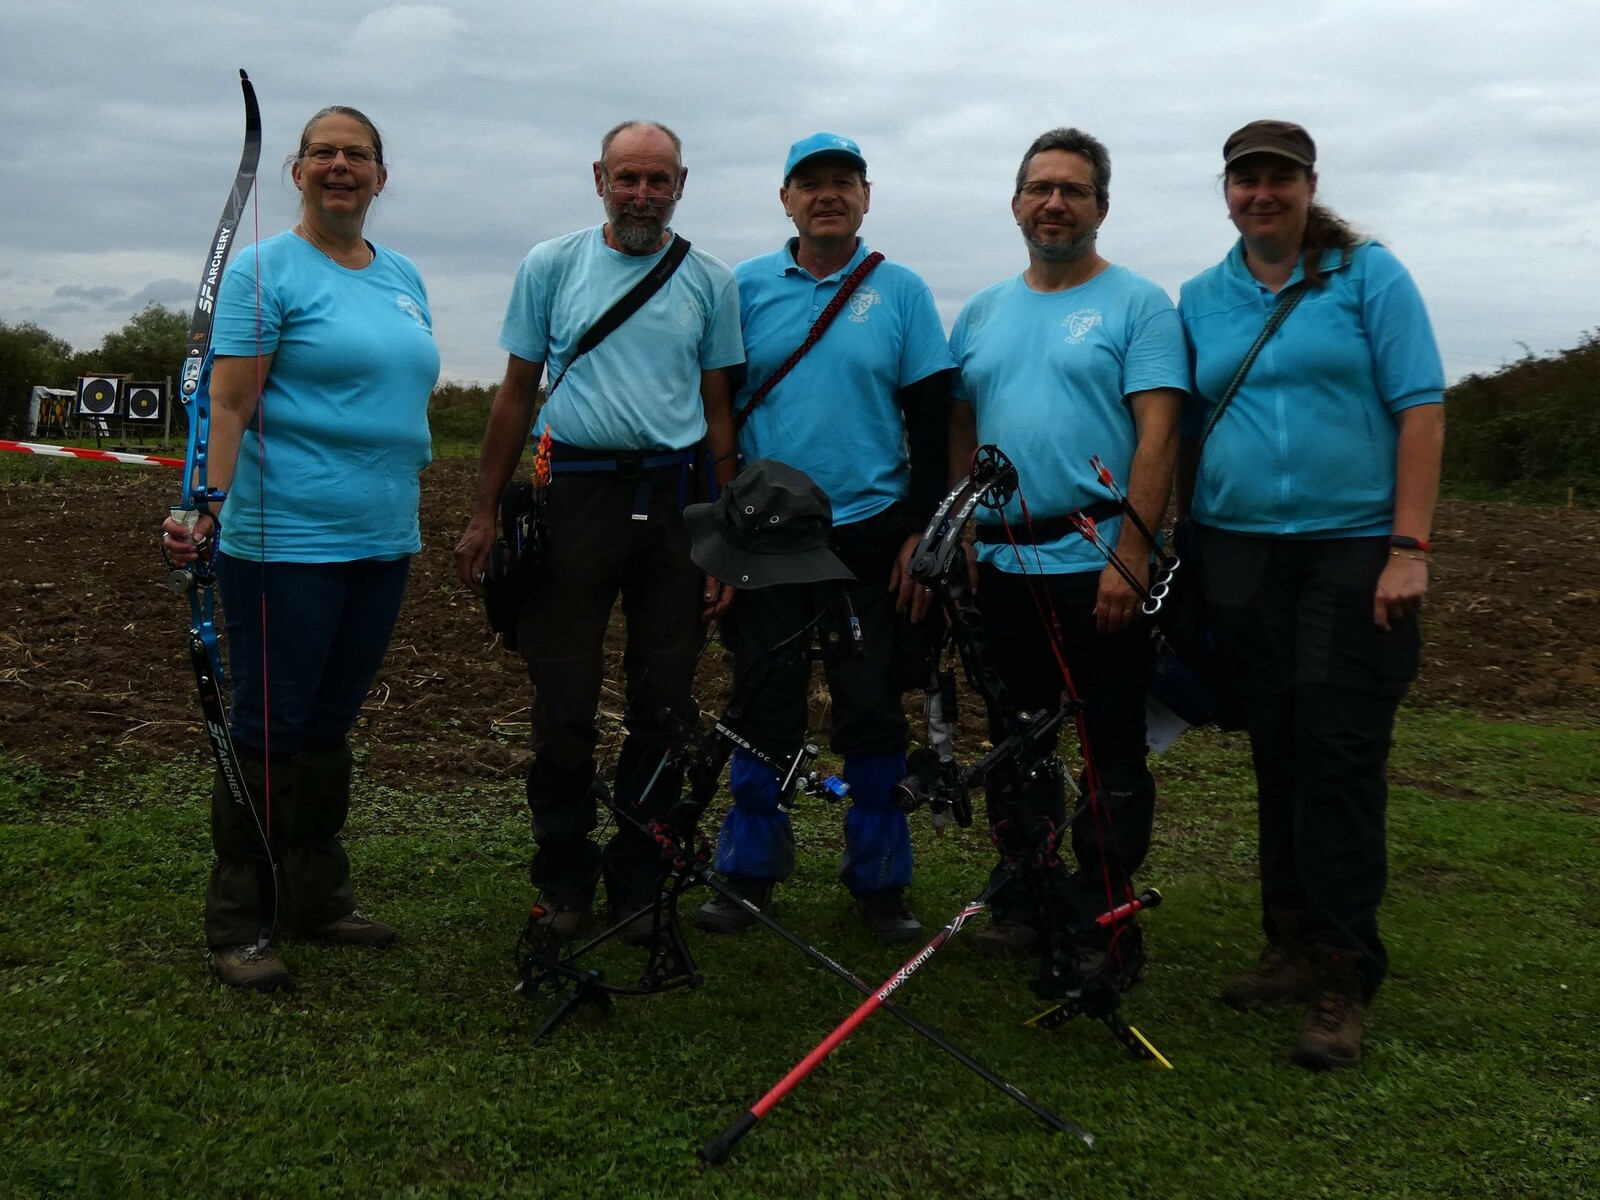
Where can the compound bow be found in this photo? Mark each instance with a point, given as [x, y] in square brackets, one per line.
[1024, 779]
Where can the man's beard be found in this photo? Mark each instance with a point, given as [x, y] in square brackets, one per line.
[638, 232]
[1068, 251]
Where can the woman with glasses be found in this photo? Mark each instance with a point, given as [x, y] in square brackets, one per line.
[1313, 496]
[324, 360]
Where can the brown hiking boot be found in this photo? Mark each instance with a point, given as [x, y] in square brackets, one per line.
[723, 914]
[250, 967]
[637, 930]
[1330, 1035]
[1006, 939]
[1283, 973]
[565, 922]
[887, 918]
[352, 929]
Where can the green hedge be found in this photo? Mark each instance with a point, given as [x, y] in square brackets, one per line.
[1530, 431]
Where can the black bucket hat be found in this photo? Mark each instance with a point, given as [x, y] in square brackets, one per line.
[769, 526]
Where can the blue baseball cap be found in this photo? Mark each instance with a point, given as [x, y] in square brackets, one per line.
[822, 143]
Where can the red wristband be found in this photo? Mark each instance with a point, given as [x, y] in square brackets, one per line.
[1410, 543]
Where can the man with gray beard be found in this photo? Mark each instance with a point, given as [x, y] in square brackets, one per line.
[1073, 358]
[626, 422]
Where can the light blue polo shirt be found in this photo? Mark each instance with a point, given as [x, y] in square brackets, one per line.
[835, 416]
[1048, 375]
[344, 410]
[640, 388]
[1307, 446]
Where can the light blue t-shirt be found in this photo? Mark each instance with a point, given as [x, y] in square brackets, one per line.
[835, 415]
[1048, 375]
[344, 411]
[1307, 445]
[640, 388]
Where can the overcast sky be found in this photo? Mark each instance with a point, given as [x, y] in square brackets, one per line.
[1464, 133]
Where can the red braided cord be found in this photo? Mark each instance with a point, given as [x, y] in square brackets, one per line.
[818, 328]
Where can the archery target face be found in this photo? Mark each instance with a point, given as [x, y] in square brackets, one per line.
[97, 396]
[145, 401]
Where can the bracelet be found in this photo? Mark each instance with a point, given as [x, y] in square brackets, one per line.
[1410, 543]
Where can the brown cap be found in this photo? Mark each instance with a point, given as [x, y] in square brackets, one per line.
[1283, 138]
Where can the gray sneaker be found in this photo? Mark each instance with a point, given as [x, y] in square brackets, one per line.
[887, 918]
[722, 914]
[250, 967]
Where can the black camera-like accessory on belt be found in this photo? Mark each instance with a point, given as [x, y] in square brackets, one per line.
[511, 574]
[1184, 619]
[818, 327]
[512, 571]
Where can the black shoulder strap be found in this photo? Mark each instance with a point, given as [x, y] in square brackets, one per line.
[1287, 299]
[631, 302]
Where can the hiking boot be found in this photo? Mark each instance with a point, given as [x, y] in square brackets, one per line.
[1282, 974]
[1330, 1035]
[723, 914]
[886, 916]
[1003, 938]
[250, 967]
[637, 930]
[565, 922]
[352, 929]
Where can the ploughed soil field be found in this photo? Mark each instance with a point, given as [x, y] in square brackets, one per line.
[94, 673]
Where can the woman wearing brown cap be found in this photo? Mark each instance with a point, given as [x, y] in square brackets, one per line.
[1313, 468]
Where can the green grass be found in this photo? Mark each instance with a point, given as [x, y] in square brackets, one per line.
[125, 1071]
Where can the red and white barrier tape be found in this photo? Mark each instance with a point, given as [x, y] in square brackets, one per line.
[145, 460]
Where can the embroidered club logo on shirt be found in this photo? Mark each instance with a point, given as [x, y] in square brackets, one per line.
[861, 303]
[1078, 324]
[411, 308]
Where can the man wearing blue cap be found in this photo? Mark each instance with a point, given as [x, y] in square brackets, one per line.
[863, 411]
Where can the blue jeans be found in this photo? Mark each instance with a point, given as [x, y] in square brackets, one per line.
[305, 641]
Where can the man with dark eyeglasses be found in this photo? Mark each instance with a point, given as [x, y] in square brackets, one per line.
[625, 422]
[1074, 358]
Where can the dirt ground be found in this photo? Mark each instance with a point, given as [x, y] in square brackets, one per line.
[93, 669]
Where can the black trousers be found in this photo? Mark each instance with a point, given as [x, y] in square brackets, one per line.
[1320, 685]
[1108, 673]
[865, 691]
[597, 551]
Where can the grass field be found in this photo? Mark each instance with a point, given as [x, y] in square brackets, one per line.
[127, 1072]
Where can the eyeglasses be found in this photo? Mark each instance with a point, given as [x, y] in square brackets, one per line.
[357, 156]
[637, 196]
[1041, 191]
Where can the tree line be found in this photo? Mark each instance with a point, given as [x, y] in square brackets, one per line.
[1529, 431]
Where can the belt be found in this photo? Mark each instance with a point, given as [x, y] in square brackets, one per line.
[643, 466]
[1047, 529]
[629, 464]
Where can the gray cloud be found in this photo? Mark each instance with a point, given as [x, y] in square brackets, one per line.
[1460, 131]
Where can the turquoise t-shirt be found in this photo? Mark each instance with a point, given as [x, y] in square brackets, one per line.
[344, 411]
[1048, 375]
[835, 415]
[640, 388]
[1307, 445]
